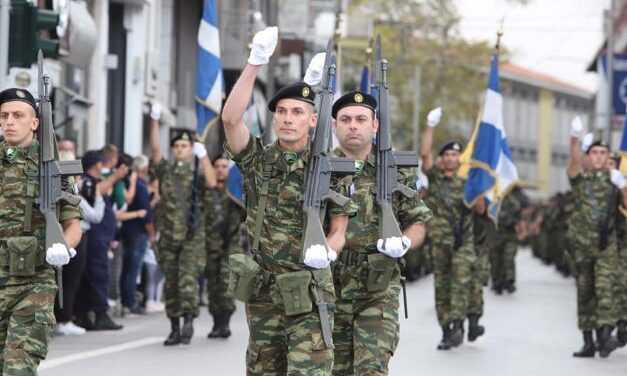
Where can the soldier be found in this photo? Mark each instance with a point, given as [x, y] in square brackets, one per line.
[27, 277]
[180, 222]
[223, 218]
[600, 197]
[286, 334]
[451, 229]
[367, 274]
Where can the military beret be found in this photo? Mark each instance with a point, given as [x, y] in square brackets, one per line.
[453, 145]
[299, 91]
[600, 143]
[19, 95]
[354, 98]
[181, 134]
[91, 158]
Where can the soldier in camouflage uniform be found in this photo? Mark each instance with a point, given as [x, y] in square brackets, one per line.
[367, 274]
[600, 197]
[223, 217]
[451, 229]
[285, 329]
[180, 223]
[27, 277]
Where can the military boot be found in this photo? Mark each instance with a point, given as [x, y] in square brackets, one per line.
[188, 329]
[621, 333]
[445, 343]
[221, 326]
[606, 343]
[588, 349]
[457, 333]
[474, 329]
[174, 338]
[510, 286]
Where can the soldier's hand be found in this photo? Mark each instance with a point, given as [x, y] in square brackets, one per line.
[155, 111]
[264, 43]
[617, 179]
[318, 257]
[313, 76]
[59, 255]
[394, 247]
[576, 127]
[199, 150]
[434, 117]
[587, 140]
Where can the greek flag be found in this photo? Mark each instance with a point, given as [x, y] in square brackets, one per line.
[492, 172]
[364, 84]
[209, 81]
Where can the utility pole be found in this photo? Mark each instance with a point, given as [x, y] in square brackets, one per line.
[416, 118]
[5, 12]
[609, 20]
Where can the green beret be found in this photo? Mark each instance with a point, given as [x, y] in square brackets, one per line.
[453, 145]
[299, 91]
[177, 134]
[354, 98]
[18, 95]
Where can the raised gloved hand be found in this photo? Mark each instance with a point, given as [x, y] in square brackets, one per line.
[59, 255]
[264, 43]
[394, 247]
[617, 179]
[313, 76]
[199, 150]
[576, 127]
[587, 140]
[434, 116]
[155, 111]
[318, 257]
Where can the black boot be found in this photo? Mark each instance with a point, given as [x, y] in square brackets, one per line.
[174, 338]
[188, 329]
[497, 287]
[445, 343]
[457, 333]
[606, 343]
[104, 322]
[220, 326]
[474, 329]
[510, 286]
[621, 333]
[588, 349]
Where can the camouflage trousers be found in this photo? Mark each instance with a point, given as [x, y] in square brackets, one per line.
[281, 345]
[181, 263]
[503, 260]
[621, 284]
[475, 293]
[217, 273]
[26, 323]
[453, 278]
[595, 278]
[482, 268]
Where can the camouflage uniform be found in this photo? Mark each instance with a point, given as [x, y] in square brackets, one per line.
[182, 260]
[280, 344]
[481, 268]
[595, 267]
[453, 268]
[505, 243]
[26, 307]
[366, 329]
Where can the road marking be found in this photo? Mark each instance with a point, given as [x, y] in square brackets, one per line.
[52, 363]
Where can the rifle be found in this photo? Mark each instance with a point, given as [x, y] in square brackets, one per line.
[318, 181]
[52, 172]
[388, 161]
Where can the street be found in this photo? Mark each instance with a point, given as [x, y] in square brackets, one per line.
[533, 332]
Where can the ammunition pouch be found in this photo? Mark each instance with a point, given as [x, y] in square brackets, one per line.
[294, 290]
[244, 277]
[381, 269]
[22, 255]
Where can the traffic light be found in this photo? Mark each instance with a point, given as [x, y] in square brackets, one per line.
[27, 22]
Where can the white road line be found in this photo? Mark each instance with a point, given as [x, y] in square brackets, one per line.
[52, 363]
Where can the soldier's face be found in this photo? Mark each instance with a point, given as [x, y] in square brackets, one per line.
[611, 164]
[182, 150]
[355, 127]
[450, 160]
[19, 122]
[222, 169]
[598, 156]
[292, 120]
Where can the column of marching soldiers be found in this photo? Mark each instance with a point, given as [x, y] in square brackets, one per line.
[333, 307]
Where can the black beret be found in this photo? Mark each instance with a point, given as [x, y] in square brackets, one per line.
[354, 98]
[19, 95]
[453, 145]
[299, 91]
[600, 143]
[181, 134]
[90, 158]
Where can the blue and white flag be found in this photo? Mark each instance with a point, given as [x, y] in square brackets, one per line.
[364, 84]
[209, 81]
[492, 172]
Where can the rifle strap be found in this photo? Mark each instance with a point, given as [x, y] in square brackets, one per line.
[263, 200]
[28, 209]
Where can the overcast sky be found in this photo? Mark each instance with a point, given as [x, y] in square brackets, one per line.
[558, 37]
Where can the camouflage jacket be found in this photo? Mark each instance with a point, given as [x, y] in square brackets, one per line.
[175, 189]
[19, 189]
[280, 243]
[223, 217]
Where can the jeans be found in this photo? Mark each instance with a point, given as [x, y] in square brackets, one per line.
[134, 249]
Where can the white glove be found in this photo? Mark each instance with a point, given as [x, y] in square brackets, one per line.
[264, 43]
[58, 255]
[313, 76]
[587, 140]
[318, 257]
[199, 150]
[576, 127]
[155, 111]
[434, 117]
[394, 247]
[617, 179]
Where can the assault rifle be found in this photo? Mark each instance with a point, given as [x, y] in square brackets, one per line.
[53, 173]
